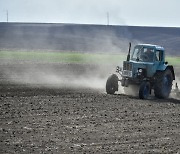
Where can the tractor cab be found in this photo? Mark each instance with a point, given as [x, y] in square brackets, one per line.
[146, 59]
[148, 53]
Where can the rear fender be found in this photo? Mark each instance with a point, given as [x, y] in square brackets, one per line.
[172, 70]
[170, 67]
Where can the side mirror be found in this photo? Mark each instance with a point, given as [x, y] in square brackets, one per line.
[166, 63]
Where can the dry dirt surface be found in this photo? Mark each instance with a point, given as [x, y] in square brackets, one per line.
[42, 119]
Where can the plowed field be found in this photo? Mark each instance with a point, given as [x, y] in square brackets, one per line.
[39, 116]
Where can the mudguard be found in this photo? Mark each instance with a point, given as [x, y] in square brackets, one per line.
[172, 70]
[164, 67]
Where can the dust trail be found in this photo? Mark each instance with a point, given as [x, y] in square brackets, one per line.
[58, 75]
[176, 89]
[82, 39]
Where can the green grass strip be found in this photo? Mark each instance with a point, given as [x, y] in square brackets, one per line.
[61, 57]
[72, 57]
[173, 61]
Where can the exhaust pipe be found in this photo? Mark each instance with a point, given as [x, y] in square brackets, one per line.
[128, 56]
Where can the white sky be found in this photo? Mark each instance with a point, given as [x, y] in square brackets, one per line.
[164, 13]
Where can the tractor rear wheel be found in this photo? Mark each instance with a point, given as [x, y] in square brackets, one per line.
[144, 90]
[112, 84]
[163, 84]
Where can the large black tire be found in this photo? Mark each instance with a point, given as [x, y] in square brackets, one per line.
[163, 84]
[112, 84]
[144, 90]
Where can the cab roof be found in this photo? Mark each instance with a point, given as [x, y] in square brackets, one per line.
[157, 47]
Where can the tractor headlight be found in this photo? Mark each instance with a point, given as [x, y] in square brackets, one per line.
[140, 70]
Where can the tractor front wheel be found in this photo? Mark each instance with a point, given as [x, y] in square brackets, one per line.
[112, 84]
[144, 90]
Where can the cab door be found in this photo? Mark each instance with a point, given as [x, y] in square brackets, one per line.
[158, 60]
[153, 66]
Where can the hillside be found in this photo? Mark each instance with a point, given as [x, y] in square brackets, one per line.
[85, 38]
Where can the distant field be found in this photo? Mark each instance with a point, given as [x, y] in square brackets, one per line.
[174, 60]
[71, 57]
[61, 57]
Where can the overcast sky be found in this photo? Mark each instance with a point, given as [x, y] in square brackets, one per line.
[121, 12]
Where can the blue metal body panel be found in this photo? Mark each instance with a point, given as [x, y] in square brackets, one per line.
[156, 64]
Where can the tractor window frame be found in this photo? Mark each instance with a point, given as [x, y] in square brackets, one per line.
[158, 55]
[142, 50]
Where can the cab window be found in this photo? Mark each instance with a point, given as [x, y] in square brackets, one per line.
[158, 55]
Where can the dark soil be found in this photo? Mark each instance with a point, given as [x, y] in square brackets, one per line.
[40, 119]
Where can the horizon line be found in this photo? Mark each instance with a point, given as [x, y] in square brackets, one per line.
[3, 22]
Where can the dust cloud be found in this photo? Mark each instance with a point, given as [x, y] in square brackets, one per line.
[176, 84]
[57, 75]
[76, 39]
[176, 89]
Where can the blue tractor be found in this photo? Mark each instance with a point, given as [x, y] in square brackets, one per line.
[145, 68]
